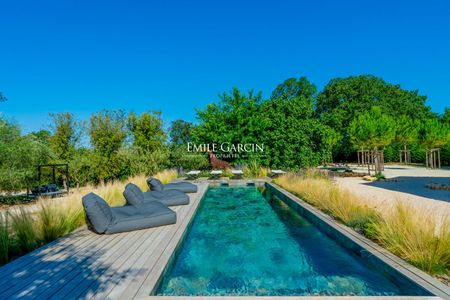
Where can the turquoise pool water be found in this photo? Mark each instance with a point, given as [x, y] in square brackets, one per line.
[243, 244]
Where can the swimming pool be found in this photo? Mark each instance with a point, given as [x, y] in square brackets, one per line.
[241, 243]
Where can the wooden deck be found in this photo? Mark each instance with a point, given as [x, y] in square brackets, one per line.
[85, 265]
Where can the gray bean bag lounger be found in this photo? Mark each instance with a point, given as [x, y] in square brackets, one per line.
[105, 219]
[156, 185]
[134, 196]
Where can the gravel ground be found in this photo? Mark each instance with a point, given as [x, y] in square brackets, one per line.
[404, 183]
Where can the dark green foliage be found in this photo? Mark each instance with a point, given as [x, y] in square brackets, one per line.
[372, 129]
[293, 137]
[446, 116]
[233, 119]
[284, 124]
[180, 132]
[180, 157]
[80, 167]
[107, 132]
[433, 133]
[147, 130]
[43, 136]
[135, 160]
[19, 157]
[343, 98]
[66, 132]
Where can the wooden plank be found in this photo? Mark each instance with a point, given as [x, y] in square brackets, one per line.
[120, 270]
[24, 284]
[153, 276]
[84, 264]
[139, 286]
[135, 266]
[52, 284]
[54, 246]
[80, 279]
[23, 276]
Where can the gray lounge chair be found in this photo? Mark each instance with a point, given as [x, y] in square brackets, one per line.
[156, 185]
[102, 218]
[134, 196]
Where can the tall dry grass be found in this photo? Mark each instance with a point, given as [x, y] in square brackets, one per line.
[255, 170]
[417, 236]
[319, 191]
[167, 175]
[24, 229]
[410, 233]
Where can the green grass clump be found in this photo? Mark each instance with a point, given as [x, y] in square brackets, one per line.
[255, 170]
[4, 239]
[26, 233]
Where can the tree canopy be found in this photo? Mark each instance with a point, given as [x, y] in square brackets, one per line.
[107, 132]
[20, 154]
[147, 130]
[343, 98]
[180, 132]
[66, 132]
[372, 129]
[434, 134]
[284, 124]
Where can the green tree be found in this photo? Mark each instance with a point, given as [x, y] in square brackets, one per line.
[80, 167]
[446, 116]
[292, 136]
[284, 125]
[147, 130]
[107, 133]
[66, 132]
[406, 133]
[234, 119]
[372, 130]
[434, 134]
[19, 157]
[43, 136]
[180, 132]
[343, 98]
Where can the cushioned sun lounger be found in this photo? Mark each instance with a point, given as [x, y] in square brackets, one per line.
[216, 173]
[156, 185]
[134, 196]
[102, 218]
[277, 172]
[237, 173]
[193, 174]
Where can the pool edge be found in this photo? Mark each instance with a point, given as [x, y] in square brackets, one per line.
[412, 273]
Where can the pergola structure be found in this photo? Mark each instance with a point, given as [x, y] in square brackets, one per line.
[54, 167]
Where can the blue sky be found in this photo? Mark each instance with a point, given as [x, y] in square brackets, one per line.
[173, 56]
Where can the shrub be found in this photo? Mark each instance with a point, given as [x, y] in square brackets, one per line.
[379, 175]
[255, 170]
